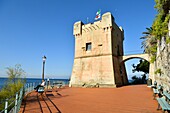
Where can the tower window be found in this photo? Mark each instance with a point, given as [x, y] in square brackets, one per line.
[88, 46]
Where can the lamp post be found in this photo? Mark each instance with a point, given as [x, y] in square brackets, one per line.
[44, 59]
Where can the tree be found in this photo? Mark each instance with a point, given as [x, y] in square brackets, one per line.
[149, 41]
[158, 30]
[15, 73]
[136, 80]
[14, 84]
[143, 66]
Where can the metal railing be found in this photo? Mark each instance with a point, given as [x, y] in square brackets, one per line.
[12, 104]
[29, 87]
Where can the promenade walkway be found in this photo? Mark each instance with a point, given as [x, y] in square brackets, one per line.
[127, 99]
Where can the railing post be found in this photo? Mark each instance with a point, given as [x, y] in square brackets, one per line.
[20, 97]
[33, 85]
[28, 87]
[6, 106]
[16, 102]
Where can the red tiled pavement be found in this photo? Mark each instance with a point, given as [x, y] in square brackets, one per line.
[127, 99]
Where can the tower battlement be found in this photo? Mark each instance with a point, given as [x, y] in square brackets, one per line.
[106, 22]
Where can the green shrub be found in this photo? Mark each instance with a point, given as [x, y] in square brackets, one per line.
[158, 71]
[14, 83]
[153, 59]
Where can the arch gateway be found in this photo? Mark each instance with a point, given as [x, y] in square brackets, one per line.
[99, 57]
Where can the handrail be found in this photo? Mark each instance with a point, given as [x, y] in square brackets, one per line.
[15, 103]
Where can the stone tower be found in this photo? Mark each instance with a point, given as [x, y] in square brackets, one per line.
[97, 47]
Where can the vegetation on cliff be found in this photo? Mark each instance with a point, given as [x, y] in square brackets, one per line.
[158, 30]
[14, 84]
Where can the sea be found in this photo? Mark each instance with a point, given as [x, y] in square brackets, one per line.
[33, 80]
[38, 81]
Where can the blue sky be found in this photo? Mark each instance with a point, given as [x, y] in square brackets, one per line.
[30, 29]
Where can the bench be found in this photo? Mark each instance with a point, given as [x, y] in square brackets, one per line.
[155, 91]
[57, 83]
[164, 105]
[41, 90]
[167, 95]
[153, 86]
[158, 90]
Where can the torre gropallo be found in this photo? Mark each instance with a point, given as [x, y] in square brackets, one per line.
[97, 48]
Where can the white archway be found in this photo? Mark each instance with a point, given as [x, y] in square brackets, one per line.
[122, 59]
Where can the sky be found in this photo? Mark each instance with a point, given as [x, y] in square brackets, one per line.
[30, 29]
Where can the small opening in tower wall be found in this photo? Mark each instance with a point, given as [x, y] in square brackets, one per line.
[88, 46]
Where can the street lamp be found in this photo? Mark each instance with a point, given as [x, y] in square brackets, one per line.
[44, 59]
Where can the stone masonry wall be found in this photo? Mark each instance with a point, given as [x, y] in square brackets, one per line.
[163, 63]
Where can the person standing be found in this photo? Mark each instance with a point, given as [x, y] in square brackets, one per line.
[48, 82]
